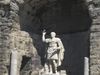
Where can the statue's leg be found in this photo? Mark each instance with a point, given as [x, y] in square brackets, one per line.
[55, 65]
[50, 66]
[46, 68]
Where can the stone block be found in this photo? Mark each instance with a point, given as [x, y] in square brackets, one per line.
[62, 72]
[5, 2]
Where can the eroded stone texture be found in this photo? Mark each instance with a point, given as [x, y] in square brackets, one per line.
[12, 37]
[23, 44]
[5, 27]
[5, 2]
[95, 48]
[94, 41]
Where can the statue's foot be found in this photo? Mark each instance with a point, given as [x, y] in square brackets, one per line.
[46, 72]
[57, 73]
[50, 72]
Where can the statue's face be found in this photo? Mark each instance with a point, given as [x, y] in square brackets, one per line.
[53, 34]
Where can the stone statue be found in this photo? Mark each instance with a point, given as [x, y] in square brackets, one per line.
[54, 53]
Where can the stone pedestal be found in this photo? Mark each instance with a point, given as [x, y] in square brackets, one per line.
[62, 72]
[14, 63]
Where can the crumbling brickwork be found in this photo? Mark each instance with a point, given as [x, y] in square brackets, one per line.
[95, 48]
[94, 40]
[5, 29]
[11, 36]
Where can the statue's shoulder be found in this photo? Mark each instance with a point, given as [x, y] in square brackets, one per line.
[58, 39]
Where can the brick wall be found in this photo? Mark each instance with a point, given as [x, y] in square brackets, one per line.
[95, 39]
[95, 47]
[5, 28]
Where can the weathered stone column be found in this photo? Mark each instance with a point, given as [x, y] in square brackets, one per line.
[86, 66]
[14, 62]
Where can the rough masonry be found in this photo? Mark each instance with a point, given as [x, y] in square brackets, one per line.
[14, 32]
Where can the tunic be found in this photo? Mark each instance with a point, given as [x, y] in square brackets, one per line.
[52, 51]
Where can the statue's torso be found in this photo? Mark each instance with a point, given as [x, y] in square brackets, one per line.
[52, 51]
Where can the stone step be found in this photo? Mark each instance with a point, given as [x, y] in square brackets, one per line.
[62, 72]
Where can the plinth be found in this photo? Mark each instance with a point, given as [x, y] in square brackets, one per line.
[62, 72]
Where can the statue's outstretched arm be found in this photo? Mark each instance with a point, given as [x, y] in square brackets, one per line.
[43, 37]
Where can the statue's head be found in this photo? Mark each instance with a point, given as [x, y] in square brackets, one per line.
[53, 34]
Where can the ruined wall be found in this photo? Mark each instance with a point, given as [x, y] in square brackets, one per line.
[5, 29]
[94, 41]
[11, 36]
[94, 48]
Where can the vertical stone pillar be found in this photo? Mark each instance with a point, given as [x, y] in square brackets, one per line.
[86, 66]
[14, 62]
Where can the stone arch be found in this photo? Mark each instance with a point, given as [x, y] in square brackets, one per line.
[69, 18]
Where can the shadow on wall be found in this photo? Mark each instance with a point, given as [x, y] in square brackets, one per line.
[76, 48]
[61, 16]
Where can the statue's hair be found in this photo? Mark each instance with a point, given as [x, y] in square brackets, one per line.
[53, 33]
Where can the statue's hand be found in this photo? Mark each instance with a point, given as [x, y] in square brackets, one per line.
[44, 32]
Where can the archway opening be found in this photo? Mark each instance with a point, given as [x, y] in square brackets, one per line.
[70, 19]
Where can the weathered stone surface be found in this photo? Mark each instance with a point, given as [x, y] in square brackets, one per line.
[5, 2]
[95, 45]
[94, 41]
[10, 38]
[22, 41]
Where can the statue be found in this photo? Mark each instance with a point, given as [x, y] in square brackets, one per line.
[54, 53]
